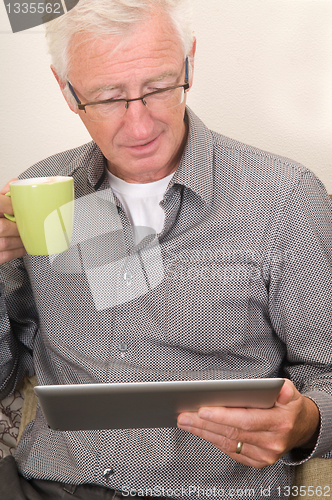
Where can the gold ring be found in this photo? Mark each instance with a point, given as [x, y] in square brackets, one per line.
[239, 447]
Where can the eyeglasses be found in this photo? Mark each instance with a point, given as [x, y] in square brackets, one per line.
[165, 98]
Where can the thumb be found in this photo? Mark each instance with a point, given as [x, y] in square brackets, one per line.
[287, 394]
[5, 189]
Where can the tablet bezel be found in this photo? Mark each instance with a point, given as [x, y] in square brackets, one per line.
[147, 404]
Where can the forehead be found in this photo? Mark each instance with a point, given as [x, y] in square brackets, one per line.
[151, 49]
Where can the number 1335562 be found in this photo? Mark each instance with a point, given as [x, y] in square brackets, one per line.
[305, 491]
[34, 8]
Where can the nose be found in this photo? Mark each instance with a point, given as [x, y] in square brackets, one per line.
[138, 120]
[142, 99]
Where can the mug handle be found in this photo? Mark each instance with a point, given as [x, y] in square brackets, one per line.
[8, 216]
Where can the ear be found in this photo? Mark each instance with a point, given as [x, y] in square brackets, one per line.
[192, 60]
[63, 85]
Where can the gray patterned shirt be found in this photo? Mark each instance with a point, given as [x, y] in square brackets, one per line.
[238, 284]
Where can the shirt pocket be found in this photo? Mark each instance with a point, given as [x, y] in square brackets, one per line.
[208, 306]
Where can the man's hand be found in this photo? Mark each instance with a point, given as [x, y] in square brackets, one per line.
[11, 246]
[266, 434]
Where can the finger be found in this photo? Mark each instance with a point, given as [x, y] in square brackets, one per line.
[5, 205]
[287, 394]
[5, 189]
[8, 255]
[8, 229]
[245, 419]
[253, 457]
[10, 243]
[5, 201]
[11, 246]
[224, 435]
[193, 423]
[251, 454]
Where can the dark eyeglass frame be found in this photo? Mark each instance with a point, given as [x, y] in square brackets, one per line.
[127, 101]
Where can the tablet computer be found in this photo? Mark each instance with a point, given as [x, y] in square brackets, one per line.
[147, 404]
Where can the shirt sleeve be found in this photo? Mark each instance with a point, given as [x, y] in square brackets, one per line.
[18, 326]
[300, 300]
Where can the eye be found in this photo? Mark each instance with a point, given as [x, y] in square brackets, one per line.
[156, 86]
[107, 95]
[165, 94]
[153, 89]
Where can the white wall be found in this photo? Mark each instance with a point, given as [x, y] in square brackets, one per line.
[263, 75]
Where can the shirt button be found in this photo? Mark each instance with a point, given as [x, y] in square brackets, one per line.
[108, 473]
[128, 277]
[123, 347]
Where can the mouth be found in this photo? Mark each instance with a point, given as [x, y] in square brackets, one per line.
[145, 148]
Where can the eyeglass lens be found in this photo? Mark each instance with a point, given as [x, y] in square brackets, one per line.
[156, 101]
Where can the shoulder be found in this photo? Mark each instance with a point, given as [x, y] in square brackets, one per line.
[254, 162]
[63, 163]
[237, 164]
[260, 174]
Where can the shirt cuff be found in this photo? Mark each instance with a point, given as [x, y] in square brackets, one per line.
[323, 445]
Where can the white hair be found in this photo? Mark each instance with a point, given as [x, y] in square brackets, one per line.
[102, 18]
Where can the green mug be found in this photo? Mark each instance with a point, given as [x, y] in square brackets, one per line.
[44, 213]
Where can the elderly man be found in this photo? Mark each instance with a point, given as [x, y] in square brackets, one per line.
[245, 289]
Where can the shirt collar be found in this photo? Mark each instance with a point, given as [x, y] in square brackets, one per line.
[93, 162]
[195, 170]
[196, 166]
[97, 170]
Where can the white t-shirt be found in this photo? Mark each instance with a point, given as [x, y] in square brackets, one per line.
[141, 201]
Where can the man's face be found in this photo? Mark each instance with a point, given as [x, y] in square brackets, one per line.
[143, 145]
